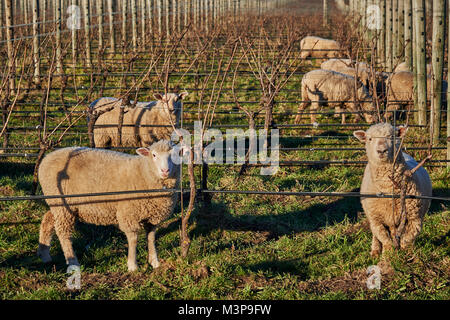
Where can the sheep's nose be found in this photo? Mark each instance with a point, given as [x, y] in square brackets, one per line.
[382, 151]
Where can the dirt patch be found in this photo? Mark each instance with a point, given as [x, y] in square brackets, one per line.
[349, 283]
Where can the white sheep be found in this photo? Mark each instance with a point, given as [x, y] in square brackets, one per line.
[401, 91]
[335, 89]
[331, 64]
[361, 70]
[143, 124]
[317, 47]
[404, 67]
[383, 175]
[85, 170]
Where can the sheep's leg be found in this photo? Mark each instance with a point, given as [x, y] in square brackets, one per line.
[343, 118]
[152, 254]
[376, 247]
[337, 112]
[412, 230]
[45, 237]
[132, 237]
[381, 233]
[64, 226]
[301, 108]
[314, 108]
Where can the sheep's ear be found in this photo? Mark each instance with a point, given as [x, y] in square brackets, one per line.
[401, 131]
[158, 96]
[360, 135]
[183, 94]
[143, 152]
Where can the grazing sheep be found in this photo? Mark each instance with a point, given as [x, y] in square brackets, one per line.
[317, 47]
[137, 130]
[332, 64]
[363, 72]
[320, 86]
[382, 175]
[401, 91]
[86, 170]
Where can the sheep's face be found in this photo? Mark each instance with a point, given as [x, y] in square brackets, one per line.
[368, 111]
[172, 101]
[369, 116]
[160, 155]
[379, 141]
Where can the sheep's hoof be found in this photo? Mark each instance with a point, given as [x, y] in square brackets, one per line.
[43, 252]
[132, 267]
[72, 262]
[155, 264]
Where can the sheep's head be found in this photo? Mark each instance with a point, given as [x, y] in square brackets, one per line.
[160, 154]
[379, 141]
[369, 111]
[171, 101]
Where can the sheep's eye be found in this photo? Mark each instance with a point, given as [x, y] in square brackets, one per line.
[154, 155]
[370, 139]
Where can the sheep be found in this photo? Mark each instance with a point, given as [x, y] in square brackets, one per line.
[317, 47]
[320, 85]
[79, 170]
[332, 64]
[401, 91]
[360, 69]
[361, 74]
[404, 67]
[137, 130]
[384, 175]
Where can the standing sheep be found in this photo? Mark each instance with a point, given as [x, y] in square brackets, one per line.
[316, 47]
[320, 86]
[142, 125]
[401, 91]
[384, 174]
[85, 170]
[332, 64]
[404, 67]
[359, 69]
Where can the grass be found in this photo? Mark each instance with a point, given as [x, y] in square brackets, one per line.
[243, 247]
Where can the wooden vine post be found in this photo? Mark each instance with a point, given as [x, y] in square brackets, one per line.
[421, 75]
[438, 67]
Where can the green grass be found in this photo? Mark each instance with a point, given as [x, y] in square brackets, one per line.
[243, 247]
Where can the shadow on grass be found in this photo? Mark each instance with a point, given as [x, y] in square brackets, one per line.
[312, 218]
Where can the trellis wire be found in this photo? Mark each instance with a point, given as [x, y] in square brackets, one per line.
[250, 192]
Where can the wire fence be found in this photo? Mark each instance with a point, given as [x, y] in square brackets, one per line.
[159, 12]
